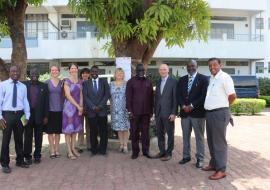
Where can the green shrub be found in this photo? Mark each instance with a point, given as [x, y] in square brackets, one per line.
[267, 99]
[248, 106]
[264, 85]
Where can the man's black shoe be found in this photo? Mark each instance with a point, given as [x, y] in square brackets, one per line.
[6, 169]
[37, 160]
[134, 156]
[22, 165]
[199, 164]
[147, 155]
[158, 155]
[184, 160]
[28, 161]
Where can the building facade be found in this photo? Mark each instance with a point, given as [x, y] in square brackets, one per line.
[239, 36]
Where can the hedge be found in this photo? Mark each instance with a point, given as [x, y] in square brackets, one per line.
[267, 99]
[264, 85]
[248, 106]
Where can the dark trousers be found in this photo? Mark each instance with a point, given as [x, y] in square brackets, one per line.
[13, 123]
[31, 127]
[164, 125]
[140, 124]
[98, 125]
[216, 125]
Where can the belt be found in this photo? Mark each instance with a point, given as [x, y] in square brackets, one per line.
[218, 109]
[13, 112]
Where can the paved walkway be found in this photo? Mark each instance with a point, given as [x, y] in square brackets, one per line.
[248, 167]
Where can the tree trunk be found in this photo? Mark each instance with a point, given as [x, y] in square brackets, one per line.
[3, 70]
[15, 20]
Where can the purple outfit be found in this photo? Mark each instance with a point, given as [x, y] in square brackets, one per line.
[55, 96]
[72, 122]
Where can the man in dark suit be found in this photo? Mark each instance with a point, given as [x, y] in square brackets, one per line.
[191, 93]
[139, 97]
[96, 93]
[165, 112]
[37, 95]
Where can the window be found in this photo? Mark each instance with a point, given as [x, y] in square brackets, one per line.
[35, 23]
[236, 63]
[230, 71]
[268, 67]
[218, 29]
[259, 67]
[83, 27]
[259, 23]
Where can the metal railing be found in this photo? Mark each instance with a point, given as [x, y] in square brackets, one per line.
[236, 37]
[64, 35]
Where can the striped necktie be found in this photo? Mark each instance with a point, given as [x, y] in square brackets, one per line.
[190, 79]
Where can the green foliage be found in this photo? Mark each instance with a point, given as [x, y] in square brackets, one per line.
[248, 106]
[267, 99]
[264, 85]
[176, 21]
[47, 76]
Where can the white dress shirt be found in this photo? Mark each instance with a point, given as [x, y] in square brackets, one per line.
[6, 96]
[220, 87]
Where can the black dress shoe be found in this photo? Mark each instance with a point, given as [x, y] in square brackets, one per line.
[199, 164]
[184, 160]
[80, 150]
[22, 164]
[134, 156]
[28, 161]
[147, 155]
[158, 155]
[6, 169]
[37, 160]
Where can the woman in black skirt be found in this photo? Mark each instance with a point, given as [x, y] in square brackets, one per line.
[54, 127]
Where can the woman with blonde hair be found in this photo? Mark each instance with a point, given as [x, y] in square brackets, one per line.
[54, 126]
[119, 114]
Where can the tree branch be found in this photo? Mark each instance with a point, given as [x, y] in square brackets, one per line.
[149, 52]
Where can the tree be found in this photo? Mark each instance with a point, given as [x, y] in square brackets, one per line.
[136, 27]
[12, 14]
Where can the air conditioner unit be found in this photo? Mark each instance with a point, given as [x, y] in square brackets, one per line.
[66, 23]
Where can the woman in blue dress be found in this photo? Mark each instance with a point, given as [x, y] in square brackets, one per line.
[120, 119]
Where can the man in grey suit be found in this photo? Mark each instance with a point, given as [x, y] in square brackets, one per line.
[191, 92]
[165, 112]
[96, 94]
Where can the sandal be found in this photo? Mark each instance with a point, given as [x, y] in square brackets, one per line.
[57, 155]
[76, 153]
[71, 156]
[52, 156]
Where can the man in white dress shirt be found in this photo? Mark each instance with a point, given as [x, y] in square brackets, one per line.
[220, 95]
[13, 105]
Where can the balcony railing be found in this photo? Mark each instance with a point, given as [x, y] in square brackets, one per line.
[7, 43]
[63, 35]
[236, 37]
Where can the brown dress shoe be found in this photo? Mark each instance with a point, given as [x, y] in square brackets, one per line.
[166, 158]
[209, 168]
[217, 175]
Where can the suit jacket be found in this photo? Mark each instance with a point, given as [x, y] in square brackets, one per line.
[42, 108]
[92, 99]
[166, 103]
[139, 96]
[196, 96]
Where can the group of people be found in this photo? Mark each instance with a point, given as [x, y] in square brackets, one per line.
[66, 106]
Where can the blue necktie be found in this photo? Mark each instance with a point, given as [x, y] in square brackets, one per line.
[95, 87]
[189, 83]
[14, 97]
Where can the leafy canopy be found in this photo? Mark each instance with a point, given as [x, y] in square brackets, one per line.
[175, 20]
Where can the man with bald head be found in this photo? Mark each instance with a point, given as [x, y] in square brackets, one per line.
[165, 112]
[191, 93]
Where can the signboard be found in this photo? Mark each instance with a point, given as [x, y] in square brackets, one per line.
[125, 64]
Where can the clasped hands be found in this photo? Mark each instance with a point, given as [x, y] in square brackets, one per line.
[187, 109]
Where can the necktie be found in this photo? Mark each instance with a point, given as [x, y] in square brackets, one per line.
[14, 97]
[95, 87]
[190, 78]
[162, 85]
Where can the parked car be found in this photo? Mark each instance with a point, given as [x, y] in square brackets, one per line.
[246, 86]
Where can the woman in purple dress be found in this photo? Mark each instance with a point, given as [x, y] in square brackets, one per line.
[54, 126]
[72, 111]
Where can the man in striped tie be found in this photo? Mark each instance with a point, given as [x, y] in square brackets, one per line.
[191, 92]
